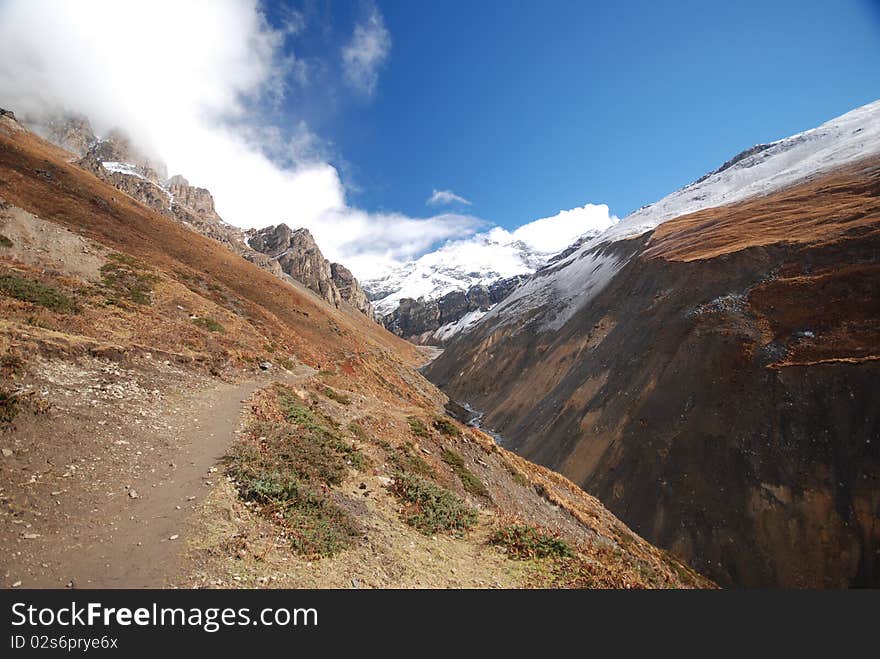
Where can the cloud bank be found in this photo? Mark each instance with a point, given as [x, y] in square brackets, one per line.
[365, 54]
[184, 79]
[444, 198]
[189, 82]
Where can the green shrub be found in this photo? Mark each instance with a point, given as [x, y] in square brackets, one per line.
[406, 461]
[430, 508]
[315, 524]
[340, 398]
[358, 432]
[11, 365]
[36, 292]
[417, 427]
[318, 426]
[210, 324]
[469, 480]
[127, 279]
[446, 426]
[4, 241]
[518, 476]
[9, 407]
[287, 472]
[526, 542]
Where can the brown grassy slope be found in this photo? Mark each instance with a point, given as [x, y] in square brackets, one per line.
[37, 177]
[816, 213]
[838, 296]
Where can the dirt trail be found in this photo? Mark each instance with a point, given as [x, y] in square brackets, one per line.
[135, 539]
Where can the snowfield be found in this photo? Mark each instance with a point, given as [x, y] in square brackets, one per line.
[122, 168]
[768, 167]
[485, 257]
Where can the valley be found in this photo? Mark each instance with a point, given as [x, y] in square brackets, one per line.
[175, 415]
[711, 373]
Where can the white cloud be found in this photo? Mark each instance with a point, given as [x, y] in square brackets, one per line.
[367, 51]
[487, 256]
[444, 198]
[182, 79]
[551, 235]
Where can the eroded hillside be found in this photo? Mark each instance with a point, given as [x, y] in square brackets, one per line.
[174, 415]
[715, 382]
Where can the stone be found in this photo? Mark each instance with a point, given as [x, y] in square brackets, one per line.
[299, 256]
[350, 290]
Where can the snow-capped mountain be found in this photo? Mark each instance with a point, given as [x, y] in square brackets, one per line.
[766, 167]
[714, 369]
[485, 258]
[570, 283]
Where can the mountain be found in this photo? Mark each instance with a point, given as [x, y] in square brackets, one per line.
[116, 160]
[708, 366]
[173, 415]
[299, 256]
[436, 321]
[442, 293]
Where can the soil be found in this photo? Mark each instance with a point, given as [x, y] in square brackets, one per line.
[135, 451]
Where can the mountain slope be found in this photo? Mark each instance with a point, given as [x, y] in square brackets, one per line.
[713, 381]
[423, 299]
[116, 160]
[123, 331]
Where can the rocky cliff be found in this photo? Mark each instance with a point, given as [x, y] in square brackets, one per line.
[197, 200]
[434, 322]
[69, 131]
[350, 290]
[116, 160]
[299, 256]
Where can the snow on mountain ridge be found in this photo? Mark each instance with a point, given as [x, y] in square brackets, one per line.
[560, 290]
[765, 168]
[486, 257]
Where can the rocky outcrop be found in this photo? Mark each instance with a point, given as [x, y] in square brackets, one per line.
[350, 290]
[299, 256]
[283, 252]
[414, 318]
[115, 153]
[418, 320]
[69, 131]
[198, 200]
[503, 287]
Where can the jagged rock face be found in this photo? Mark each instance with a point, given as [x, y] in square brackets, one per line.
[478, 298]
[350, 290]
[263, 261]
[285, 253]
[418, 320]
[453, 306]
[504, 287]
[117, 148]
[69, 131]
[198, 200]
[413, 318]
[299, 256]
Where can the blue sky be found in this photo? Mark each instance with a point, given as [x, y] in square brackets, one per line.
[526, 108]
[346, 116]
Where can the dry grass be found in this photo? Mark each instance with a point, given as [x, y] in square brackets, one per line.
[814, 213]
